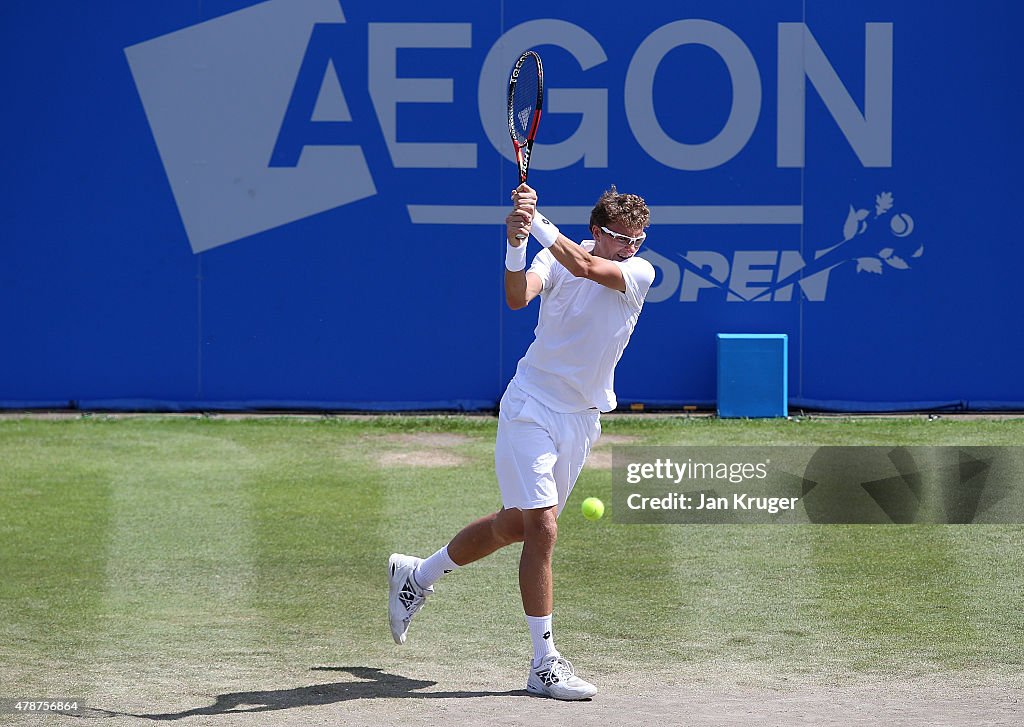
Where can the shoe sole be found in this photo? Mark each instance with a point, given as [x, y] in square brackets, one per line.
[397, 635]
[544, 693]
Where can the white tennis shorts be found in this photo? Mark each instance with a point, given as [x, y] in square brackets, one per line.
[540, 452]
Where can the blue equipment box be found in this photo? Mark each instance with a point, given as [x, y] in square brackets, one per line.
[753, 375]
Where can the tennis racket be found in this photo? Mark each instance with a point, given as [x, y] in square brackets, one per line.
[525, 101]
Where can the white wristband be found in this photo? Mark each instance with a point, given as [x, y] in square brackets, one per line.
[542, 229]
[515, 257]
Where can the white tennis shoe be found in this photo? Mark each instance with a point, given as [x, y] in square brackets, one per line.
[556, 678]
[405, 597]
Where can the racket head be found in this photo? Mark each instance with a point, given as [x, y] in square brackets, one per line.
[525, 103]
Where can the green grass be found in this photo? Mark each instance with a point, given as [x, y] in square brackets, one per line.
[193, 556]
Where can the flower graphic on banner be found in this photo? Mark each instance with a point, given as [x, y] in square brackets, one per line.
[901, 225]
[862, 243]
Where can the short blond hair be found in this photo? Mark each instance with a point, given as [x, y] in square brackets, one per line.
[628, 209]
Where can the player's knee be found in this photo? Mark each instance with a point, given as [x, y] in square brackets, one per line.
[541, 528]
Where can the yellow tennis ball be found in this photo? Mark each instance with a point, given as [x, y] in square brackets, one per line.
[593, 508]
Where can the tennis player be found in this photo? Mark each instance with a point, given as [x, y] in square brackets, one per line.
[549, 418]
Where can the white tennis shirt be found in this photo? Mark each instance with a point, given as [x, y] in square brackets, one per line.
[582, 329]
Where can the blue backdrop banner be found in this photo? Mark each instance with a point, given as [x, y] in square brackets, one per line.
[300, 203]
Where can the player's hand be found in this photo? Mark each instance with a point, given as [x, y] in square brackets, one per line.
[524, 206]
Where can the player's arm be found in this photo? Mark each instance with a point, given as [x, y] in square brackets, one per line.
[582, 264]
[573, 257]
[520, 286]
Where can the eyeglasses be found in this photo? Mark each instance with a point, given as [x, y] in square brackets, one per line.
[626, 239]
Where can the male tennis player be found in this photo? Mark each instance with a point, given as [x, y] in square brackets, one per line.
[591, 296]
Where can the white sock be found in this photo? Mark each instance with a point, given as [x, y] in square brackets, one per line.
[543, 638]
[430, 570]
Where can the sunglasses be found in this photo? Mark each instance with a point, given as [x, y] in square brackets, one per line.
[625, 239]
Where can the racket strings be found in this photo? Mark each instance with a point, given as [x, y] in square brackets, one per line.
[524, 100]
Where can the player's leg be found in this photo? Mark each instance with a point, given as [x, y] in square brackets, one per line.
[550, 673]
[526, 457]
[540, 531]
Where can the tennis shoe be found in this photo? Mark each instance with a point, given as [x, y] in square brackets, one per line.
[405, 597]
[556, 678]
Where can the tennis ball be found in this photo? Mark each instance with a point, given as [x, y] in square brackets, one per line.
[593, 508]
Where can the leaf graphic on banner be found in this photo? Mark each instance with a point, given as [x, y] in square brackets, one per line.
[886, 253]
[897, 262]
[883, 203]
[869, 264]
[862, 217]
[918, 252]
[850, 228]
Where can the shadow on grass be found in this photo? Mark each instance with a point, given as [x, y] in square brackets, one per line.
[375, 684]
